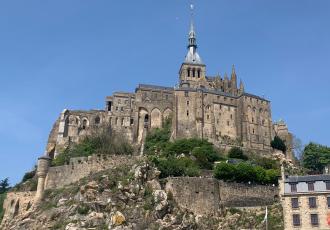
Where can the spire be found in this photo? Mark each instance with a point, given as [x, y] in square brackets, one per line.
[233, 78]
[192, 56]
[241, 86]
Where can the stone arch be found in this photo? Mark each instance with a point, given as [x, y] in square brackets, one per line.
[156, 118]
[167, 113]
[85, 123]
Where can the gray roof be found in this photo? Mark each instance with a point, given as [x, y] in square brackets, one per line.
[309, 178]
[155, 87]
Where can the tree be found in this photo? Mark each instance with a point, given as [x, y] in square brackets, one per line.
[316, 157]
[279, 144]
[297, 147]
[4, 185]
[237, 153]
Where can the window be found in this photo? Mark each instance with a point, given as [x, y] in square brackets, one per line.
[132, 121]
[199, 73]
[187, 102]
[294, 202]
[188, 70]
[328, 201]
[217, 121]
[228, 123]
[293, 187]
[187, 113]
[122, 109]
[327, 184]
[314, 220]
[312, 202]
[296, 219]
[208, 117]
[252, 131]
[310, 186]
[122, 122]
[97, 120]
[186, 94]
[193, 72]
[252, 120]
[231, 116]
[109, 105]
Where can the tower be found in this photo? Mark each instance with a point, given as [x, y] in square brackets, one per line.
[192, 70]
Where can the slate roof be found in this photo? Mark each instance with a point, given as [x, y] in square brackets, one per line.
[309, 178]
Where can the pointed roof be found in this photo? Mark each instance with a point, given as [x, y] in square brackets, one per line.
[192, 56]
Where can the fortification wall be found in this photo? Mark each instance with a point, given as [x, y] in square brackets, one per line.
[207, 195]
[199, 195]
[81, 167]
[245, 195]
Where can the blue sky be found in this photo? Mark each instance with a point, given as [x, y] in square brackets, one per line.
[71, 54]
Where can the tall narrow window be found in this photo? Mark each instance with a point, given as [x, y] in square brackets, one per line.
[199, 73]
[188, 70]
[310, 186]
[187, 113]
[186, 94]
[293, 187]
[131, 121]
[328, 201]
[193, 72]
[187, 102]
[296, 220]
[312, 202]
[327, 185]
[314, 220]
[122, 122]
[294, 202]
[109, 105]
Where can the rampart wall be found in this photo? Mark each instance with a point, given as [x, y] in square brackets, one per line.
[208, 195]
[81, 167]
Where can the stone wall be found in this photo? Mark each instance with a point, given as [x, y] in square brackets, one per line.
[81, 167]
[16, 203]
[199, 195]
[208, 195]
[244, 195]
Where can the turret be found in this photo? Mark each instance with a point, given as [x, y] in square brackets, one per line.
[241, 87]
[233, 78]
[226, 82]
[42, 171]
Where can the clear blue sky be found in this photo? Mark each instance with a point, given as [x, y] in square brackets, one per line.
[72, 53]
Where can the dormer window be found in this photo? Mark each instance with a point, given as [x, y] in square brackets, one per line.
[310, 186]
[293, 187]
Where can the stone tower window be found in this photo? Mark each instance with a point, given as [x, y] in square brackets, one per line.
[208, 117]
[193, 72]
[187, 102]
[188, 71]
[227, 123]
[187, 113]
[131, 121]
[186, 94]
[198, 73]
[146, 118]
[109, 105]
[231, 116]
[84, 124]
[253, 131]
[122, 122]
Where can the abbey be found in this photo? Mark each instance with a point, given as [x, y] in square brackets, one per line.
[202, 106]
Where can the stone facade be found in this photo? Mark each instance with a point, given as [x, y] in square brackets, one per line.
[211, 107]
[206, 196]
[306, 202]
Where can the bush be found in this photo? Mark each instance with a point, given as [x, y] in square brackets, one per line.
[28, 175]
[278, 143]
[157, 139]
[173, 166]
[205, 156]
[105, 141]
[316, 157]
[244, 172]
[237, 153]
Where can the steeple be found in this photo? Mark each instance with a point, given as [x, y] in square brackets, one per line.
[233, 78]
[192, 56]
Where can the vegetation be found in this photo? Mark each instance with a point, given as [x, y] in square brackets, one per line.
[182, 157]
[29, 175]
[237, 153]
[316, 157]
[245, 172]
[4, 185]
[104, 141]
[278, 144]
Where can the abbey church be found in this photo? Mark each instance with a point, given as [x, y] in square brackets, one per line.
[209, 107]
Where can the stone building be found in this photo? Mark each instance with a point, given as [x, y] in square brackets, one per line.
[211, 107]
[306, 202]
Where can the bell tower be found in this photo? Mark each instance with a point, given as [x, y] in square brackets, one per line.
[192, 70]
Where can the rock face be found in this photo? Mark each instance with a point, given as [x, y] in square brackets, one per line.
[125, 197]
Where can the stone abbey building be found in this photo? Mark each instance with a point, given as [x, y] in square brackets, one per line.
[202, 106]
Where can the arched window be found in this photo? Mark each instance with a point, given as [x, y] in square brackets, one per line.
[188, 71]
[193, 72]
[146, 118]
[198, 73]
[84, 124]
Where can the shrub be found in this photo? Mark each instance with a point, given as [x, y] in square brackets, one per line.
[29, 175]
[173, 166]
[278, 143]
[316, 157]
[185, 146]
[244, 172]
[237, 153]
[83, 209]
[205, 156]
